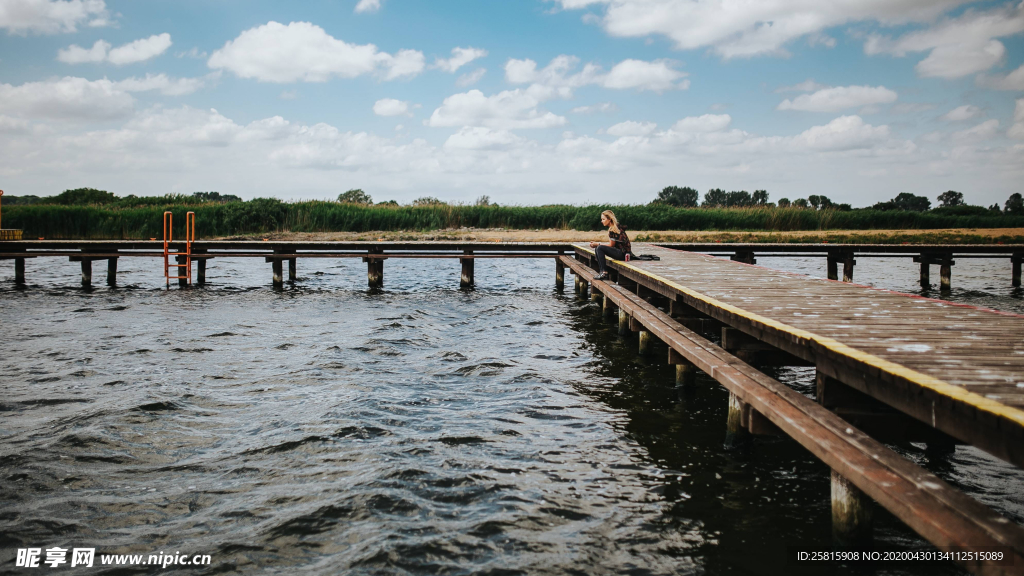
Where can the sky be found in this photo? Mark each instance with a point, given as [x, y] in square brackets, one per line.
[527, 101]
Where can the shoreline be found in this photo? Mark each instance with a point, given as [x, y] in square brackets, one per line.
[939, 236]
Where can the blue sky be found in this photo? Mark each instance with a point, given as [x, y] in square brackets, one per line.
[529, 102]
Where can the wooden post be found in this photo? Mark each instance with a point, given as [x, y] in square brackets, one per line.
[646, 342]
[201, 271]
[686, 371]
[848, 265]
[182, 271]
[735, 433]
[595, 294]
[292, 269]
[606, 307]
[467, 271]
[852, 515]
[19, 271]
[1016, 259]
[926, 280]
[559, 275]
[623, 322]
[833, 268]
[745, 257]
[278, 267]
[86, 272]
[375, 272]
[945, 274]
[111, 271]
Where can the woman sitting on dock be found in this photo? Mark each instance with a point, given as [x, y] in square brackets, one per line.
[618, 245]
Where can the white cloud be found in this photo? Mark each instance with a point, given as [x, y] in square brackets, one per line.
[631, 128]
[470, 78]
[391, 107]
[480, 138]
[9, 125]
[704, 123]
[805, 86]
[910, 107]
[508, 110]
[67, 98]
[839, 98]
[1012, 81]
[983, 131]
[595, 108]
[658, 75]
[50, 16]
[743, 29]
[301, 51]
[367, 6]
[1017, 129]
[843, 133]
[194, 52]
[130, 53]
[460, 57]
[959, 46]
[163, 84]
[961, 113]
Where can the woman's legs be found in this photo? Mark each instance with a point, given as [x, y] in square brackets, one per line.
[604, 251]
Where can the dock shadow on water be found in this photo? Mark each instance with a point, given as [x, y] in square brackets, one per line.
[416, 430]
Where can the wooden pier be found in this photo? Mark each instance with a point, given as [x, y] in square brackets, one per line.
[890, 367]
[902, 367]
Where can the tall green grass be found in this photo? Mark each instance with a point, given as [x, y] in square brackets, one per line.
[270, 215]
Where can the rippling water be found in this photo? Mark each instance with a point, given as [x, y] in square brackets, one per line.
[418, 430]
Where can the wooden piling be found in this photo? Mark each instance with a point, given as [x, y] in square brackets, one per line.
[1016, 259]
[86, 272]
[182, 271]
[646, 343]
[292, 270]
[735, 433]
[848, 265]
[595, 295]
[467, 271]
[559, 275]
[686, 371]
[926, 280]
[111, 271]
[277, 266]
[623, 322]
[375, 272]
[852, 515]
[19, 271]
[606, 307]
[833, 268]
[945, 275]
[201, 271]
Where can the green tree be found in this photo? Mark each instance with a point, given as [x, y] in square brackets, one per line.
[676, 196]
[784, 202]
[81, 196]
[819, 202]
[355, 196]
[215, 197]
[426, 201]
[484, 200]
[905, 201]
[739, 199]
[950, 198]
[760, 197]
[800, 203]
[1015, 204]
[715, 197]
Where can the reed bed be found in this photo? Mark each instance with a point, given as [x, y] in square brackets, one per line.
[263, 215]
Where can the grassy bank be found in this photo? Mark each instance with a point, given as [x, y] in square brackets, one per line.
[272, 216]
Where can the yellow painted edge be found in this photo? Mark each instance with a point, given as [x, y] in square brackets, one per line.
[923, 380]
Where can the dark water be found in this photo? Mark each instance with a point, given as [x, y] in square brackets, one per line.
[421, 430]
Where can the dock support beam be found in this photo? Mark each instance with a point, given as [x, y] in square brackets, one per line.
[111, 271]
[945, 275]
[646, 342]
[833, 268]
[467, 280]
[292, 269]
[19, 271]
[623, 322]
[1016, 259]
[201, 271]
[735, 433]
[745, 257]
[686, 371]
[559, 275]
[182, 271]
[595, 295]
[926, 280]
[607, 307]
[278, 266]
[375, 272]
[86, 273]
[848, 265]
[852, 515]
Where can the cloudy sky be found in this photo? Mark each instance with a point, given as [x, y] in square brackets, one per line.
[528, 101]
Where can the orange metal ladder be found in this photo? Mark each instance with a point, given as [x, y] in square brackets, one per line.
[190, 237]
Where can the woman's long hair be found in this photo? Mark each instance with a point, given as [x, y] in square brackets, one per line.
[615, 222]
